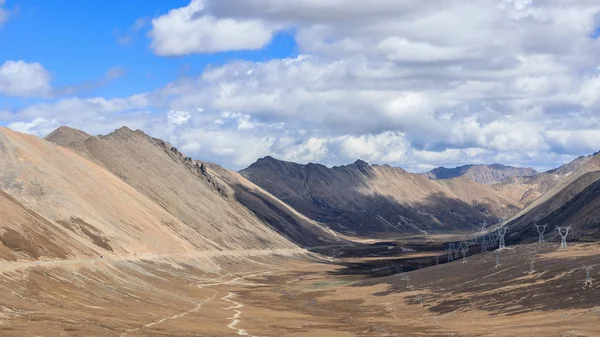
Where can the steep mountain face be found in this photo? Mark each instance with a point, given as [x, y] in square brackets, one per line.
[484, 174]
[186, 188]
[546, 185]
[132, 194]
[577, 204]
[376, 200]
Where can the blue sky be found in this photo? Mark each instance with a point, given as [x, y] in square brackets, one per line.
[400, 83]
[77, 41]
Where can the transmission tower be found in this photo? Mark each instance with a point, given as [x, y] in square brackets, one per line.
[563, 235]
[501, 233]
[588, 277]
[540, 230]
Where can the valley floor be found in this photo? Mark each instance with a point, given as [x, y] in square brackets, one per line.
[292, 293]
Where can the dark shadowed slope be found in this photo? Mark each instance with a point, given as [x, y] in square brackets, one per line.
[544, 186]
[277, 214]
[484, 174]
[197, 196]
[368, 200]
[578, 204]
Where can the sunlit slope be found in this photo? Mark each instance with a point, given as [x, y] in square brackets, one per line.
[92, 211]
[193, 192]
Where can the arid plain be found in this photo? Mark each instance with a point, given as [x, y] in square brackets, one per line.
[292, 293]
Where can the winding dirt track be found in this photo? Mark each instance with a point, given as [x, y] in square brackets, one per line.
[235, 319]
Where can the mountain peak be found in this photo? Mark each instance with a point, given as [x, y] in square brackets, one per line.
[268, 158]
[125, 131]
[66, 136]
[360, 162]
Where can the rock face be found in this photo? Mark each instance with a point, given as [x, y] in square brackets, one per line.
[484, 174]
[374, 200]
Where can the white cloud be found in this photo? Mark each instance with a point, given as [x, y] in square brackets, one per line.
[401, 82]
[40, 126]
[178, 117]
[190, 29]
[22, 79]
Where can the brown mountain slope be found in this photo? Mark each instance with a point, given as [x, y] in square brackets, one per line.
[194, 194]
[70, 138]
[577, 204]
[548, 184]
[371, 200]
[484, 174]
[25, 234]
[526, 190]
[98, 213]
[482, 196]
[283, 218]
[95, 208]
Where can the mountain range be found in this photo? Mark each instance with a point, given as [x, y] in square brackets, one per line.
[72, 195]
[379, 200]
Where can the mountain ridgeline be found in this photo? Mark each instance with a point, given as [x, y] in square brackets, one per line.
[378, 200]
[73, 195]
[484, 174]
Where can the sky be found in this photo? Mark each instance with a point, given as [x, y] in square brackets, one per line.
[412, 83]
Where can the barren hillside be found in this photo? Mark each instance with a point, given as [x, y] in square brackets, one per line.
[131, 195]
[193, 193]
[378, 200]
[547, 184]
[576, 204]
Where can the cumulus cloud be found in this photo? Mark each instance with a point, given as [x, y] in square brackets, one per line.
[407, 83]
[22, 79]
[191, 29]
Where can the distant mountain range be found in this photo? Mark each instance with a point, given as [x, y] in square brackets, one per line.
[484, 174]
